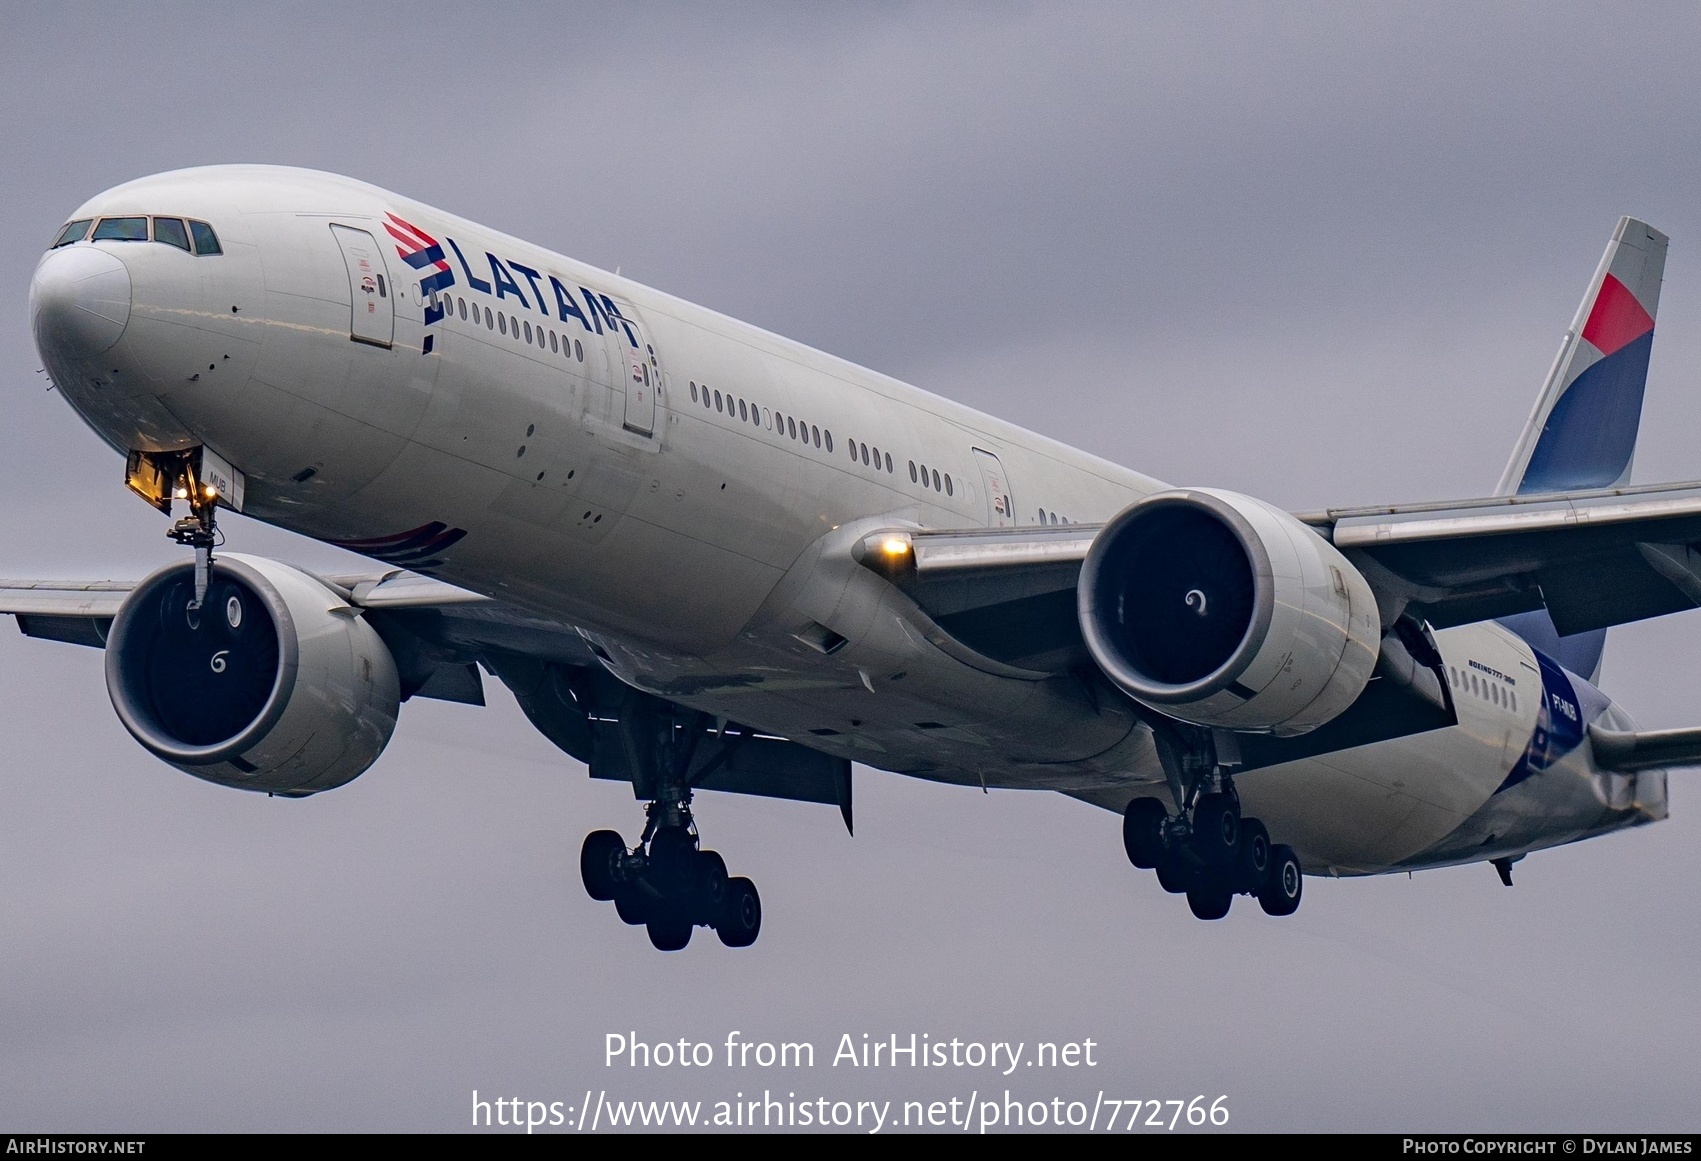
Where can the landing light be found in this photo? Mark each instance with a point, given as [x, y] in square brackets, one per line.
[896, 546]
[181, 493]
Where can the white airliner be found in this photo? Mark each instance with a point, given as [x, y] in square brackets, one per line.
[704, 557]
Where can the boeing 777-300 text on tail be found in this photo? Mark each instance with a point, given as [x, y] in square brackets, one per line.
[704, 557]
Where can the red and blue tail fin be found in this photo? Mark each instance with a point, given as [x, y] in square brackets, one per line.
[1582, 433]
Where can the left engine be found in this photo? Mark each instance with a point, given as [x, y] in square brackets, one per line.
[1222, 610]
[274, 684]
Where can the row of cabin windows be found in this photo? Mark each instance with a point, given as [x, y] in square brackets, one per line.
[932, 479]
[507, 324]
[747, 412]
[1053, 518]
[1489, 691]
[859, 453]
[186, 234]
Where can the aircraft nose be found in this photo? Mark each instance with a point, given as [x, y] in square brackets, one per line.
[79, 301]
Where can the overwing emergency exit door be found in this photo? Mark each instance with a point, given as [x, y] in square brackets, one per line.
[1000, 505]
[372, 302]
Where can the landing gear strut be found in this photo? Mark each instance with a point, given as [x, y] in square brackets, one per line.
[163, 477]
[1207, 850]
[667, 882]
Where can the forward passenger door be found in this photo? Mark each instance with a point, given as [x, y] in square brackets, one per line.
[372, 303]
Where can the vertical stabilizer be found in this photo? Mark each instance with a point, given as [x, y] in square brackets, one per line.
[1582, 433]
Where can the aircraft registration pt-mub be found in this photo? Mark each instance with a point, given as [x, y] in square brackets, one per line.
[706, 558]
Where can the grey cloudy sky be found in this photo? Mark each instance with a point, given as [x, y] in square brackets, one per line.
[1322, 254]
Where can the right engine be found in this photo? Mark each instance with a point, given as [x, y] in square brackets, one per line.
[275, 684]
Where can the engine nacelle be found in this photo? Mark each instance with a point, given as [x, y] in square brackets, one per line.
[274, 684]
[1221, 610]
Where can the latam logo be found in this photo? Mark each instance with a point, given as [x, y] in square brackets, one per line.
[509, 280]
[417, 548]
[420, 250]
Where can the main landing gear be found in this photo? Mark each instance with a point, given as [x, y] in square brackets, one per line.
[668, 883]
[1211, 854]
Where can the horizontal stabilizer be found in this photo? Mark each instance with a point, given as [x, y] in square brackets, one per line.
[1628, 751]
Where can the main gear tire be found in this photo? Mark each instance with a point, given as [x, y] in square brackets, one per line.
[1143, 832]
[1173, 875]
[598, 858]
[1286, 882]
[668, 933]
[741, 916]
[632, 905]
[673, 858]
[1216, 830]
[1254, 856]
[1209, 900]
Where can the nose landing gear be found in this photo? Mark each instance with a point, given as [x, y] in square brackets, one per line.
[668, 884]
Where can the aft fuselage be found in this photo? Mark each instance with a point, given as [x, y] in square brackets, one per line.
[676, 488]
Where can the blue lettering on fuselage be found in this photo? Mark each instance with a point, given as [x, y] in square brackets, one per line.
[1559, 725]
[473, 280]
[598, 309]
[532, 276]
[505, 282]
[566, 304]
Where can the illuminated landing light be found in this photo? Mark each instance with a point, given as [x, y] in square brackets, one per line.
[895, 546]
[181, 493]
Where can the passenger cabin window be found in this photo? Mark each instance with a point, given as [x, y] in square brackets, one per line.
[73, 232]
[171, 232]
[206, 242]
[122, 230]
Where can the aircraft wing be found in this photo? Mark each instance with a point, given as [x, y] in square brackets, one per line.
[434, 628]
[1592, 558]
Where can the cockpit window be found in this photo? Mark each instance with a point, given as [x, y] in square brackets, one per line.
[122, 230]
[73, 232]
[206, 242]
[171, 232]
